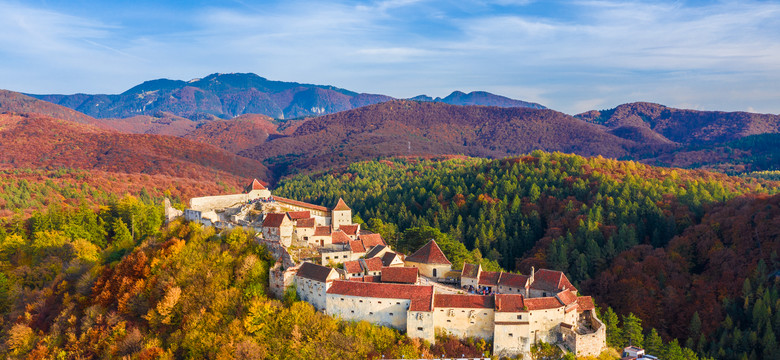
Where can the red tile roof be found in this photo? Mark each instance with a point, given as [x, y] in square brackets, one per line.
[406, 275]
[273, 220]
[353, 267]
[489, 278]
[371, 240]
[373, 264]
[341, 205]
[322, 231]
[315, 272]
[542, 303]
[388, 257]
[355, 246]
[566, 297]
[421, 296]
[510, 303]
[463, 301]
[367, 278]
[306, 223]
[339, 237]
[255, 185]
[585, 303]
[470, 271]
[513, 280]
[550, 280]
[300, 203]
[299, 215]
[430, 253]
[349, 229]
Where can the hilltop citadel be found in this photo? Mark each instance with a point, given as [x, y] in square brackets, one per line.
[351, 273]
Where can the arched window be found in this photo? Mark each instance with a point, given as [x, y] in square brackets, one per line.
[434, 272]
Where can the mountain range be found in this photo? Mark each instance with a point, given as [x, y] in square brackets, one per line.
[352, 127]
[229, 95]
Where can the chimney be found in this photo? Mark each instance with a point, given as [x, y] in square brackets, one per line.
[532, 274]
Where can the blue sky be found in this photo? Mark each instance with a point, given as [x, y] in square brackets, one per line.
[571, 56]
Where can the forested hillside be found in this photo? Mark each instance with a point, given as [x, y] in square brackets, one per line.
[592, 218]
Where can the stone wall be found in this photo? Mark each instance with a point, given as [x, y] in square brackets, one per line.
[311, 291]
[465, 322]
[419, 324]
[220, 201]
[280, 278]
[380, 311]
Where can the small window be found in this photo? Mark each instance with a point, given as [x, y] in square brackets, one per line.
[419, 329]
[510, 334]
[519, 317]
[353, 311]
[342, 299]
[391, 314]
[361, 300]
[398, 303]
[379, 302]
[449, 320]
[370, 313]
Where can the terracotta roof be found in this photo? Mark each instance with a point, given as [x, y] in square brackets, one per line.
[315, 272]
[367, 278]
[430, 253]
[339, 237]
[374, 251]
[550, 280]
[349, 229]
[341, 205]
[388, 257]
[370, 240]
[306, 223]
[513, 280]
[299, 215]
[421, 296]
[300, 203]
[566, 297]
[355, 246]
[585, 303]
[406, 275]
[463, 301]
[273, 220]
[510, 303]
[489, 278]
[255, 185]
[470, 271]
[542, 303]
[373, 264]
[322, 231]
[353, 267]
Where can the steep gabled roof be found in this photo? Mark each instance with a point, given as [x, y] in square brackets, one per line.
[350, 229]
[353, 267]
[550, 280]
[341, 205]
[388, 257]
[430, 253]
[355, 246]
[585, 303]
[407, 275]
[299, 215]
[371, 240]
[372, 264]
[306, 223]
[489, 278]
[542, 303]
[470, 271]
[566, 297]
[322, 231]
[513, 280]
[255, 185]
[421, 296]
[274, 220]
[315, 272]
[374, 252]
[463, 301]
[339, 237]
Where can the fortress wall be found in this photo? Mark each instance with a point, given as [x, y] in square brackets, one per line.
[419, 324]
[461, 322]
[312, 292]
[279, 279]
[379, 311]
[219, 202]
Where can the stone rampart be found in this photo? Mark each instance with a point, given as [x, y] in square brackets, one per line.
[220, 202]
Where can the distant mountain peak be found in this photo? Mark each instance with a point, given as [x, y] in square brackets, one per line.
[483, 98]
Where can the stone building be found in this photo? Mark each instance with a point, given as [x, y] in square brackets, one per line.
[430, 260]
[278, 227]
[313, 281]
[342, 214]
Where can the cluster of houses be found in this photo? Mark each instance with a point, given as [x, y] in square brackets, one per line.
[357, 276]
